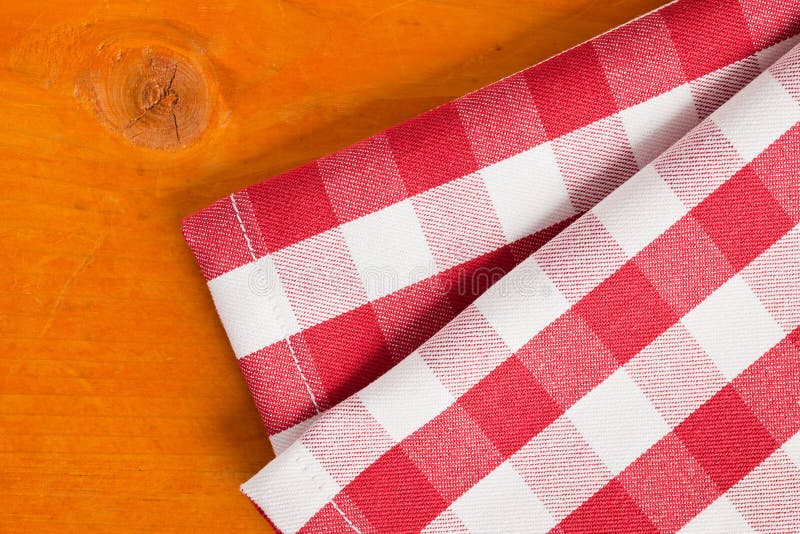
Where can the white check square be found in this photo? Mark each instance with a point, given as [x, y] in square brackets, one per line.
[389, 249]
[502, 502]
[528, 192]
[733, 327]
[757, 115]
[291, 488]
[523, 302]
[406, 397]
[640, 210]
[656, 124]
[618, 421]
[253, 306]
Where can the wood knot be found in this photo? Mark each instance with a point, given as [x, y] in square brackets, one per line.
[153, 96]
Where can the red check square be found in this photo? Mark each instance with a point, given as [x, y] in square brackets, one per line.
[560, 85]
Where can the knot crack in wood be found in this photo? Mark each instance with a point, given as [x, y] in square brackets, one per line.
[153, 96]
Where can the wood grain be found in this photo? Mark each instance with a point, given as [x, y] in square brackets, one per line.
[121, 405]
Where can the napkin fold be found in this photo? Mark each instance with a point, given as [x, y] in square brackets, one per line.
[328, 275]
[640, 372]
[631, 360]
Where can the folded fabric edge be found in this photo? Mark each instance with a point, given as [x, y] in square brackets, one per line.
[252, 488]
[227, 238]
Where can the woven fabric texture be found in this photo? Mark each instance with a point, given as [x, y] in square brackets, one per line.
[638, 373]
[625, 214]
[327, 276]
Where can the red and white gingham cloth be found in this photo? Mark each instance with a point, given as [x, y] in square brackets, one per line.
[364, 254]
[638, 370]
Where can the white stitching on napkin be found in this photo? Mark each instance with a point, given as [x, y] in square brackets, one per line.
[275, 308]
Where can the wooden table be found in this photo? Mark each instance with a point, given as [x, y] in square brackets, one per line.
[121, 405]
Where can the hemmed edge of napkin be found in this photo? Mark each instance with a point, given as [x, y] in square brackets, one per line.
[251, 488]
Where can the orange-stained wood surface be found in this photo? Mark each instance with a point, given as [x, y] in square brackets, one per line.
[121, 405]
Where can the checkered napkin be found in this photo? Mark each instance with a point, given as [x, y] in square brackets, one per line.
[537, 405]
[330, 274]
[638, 373]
